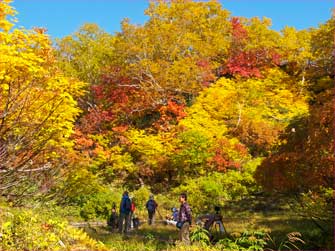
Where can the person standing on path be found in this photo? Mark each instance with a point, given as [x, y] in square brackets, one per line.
[151, 206]
[113, 219]
[184, 219]
[132, 212]
[125, 208]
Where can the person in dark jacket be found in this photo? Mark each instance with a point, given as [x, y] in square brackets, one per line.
[113, 218]
[125, 209]
[151, 206]
[184, 219]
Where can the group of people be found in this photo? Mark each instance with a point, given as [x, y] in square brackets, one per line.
[127, 219]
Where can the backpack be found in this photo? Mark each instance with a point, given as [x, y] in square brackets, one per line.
[127, 205]
[151, 206]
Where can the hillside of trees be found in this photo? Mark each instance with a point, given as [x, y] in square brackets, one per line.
[194, 100]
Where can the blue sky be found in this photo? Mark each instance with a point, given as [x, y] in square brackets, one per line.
[63, 17]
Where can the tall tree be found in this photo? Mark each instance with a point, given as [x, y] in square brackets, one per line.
[305, 159]
[37, 105]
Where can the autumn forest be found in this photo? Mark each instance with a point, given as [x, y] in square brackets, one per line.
[195, 100]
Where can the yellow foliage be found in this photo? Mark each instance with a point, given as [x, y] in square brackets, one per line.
[153, 148]
[5, 11]
[38, 104]
[254, 109]
[296, 45]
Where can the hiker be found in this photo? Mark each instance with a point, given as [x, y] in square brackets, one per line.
[173, 218]
[136, 222]
[175, 213]
[132, 211]
[112, 221]
[184, 219]
[151, 206]
[212, 219]
[125, 208]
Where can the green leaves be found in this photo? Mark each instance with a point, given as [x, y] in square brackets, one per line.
[216, 188]
[38, 229]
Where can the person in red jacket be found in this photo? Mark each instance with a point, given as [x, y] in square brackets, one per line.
[132, 211]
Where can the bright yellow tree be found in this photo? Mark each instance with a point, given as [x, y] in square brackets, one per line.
[37, 104]
[253, 110]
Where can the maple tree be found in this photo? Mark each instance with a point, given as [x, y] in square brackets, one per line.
[253, 48]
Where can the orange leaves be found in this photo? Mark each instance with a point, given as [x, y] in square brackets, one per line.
[229, 154]
[81, 141]
[306, 160]
[238, 31]
[120, 129]
[170, 114]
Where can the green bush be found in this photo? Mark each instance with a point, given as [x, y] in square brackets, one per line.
[25, 229]
[140, 197]
[217, 188]
[247, 240]
[200, 235]
[317, 207]
[99, 205]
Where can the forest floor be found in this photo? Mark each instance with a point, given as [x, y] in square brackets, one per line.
[160, 236]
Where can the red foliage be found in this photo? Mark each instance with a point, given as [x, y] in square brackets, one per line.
[115, 91]
[221, 161]
[95, 120]
[245, 62]
[170, 114]
[207, 75]
[115, 99]
[250, 63]
[239, 33]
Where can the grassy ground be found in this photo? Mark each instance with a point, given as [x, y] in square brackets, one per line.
[157, 237]
[161, 237]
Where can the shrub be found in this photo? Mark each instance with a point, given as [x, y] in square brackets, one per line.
[141, 196]
[99, 205]
[254, 240]
[24, 229]
[217, 188]
[200, 235]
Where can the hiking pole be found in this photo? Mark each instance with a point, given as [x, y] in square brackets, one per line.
[160, 214]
